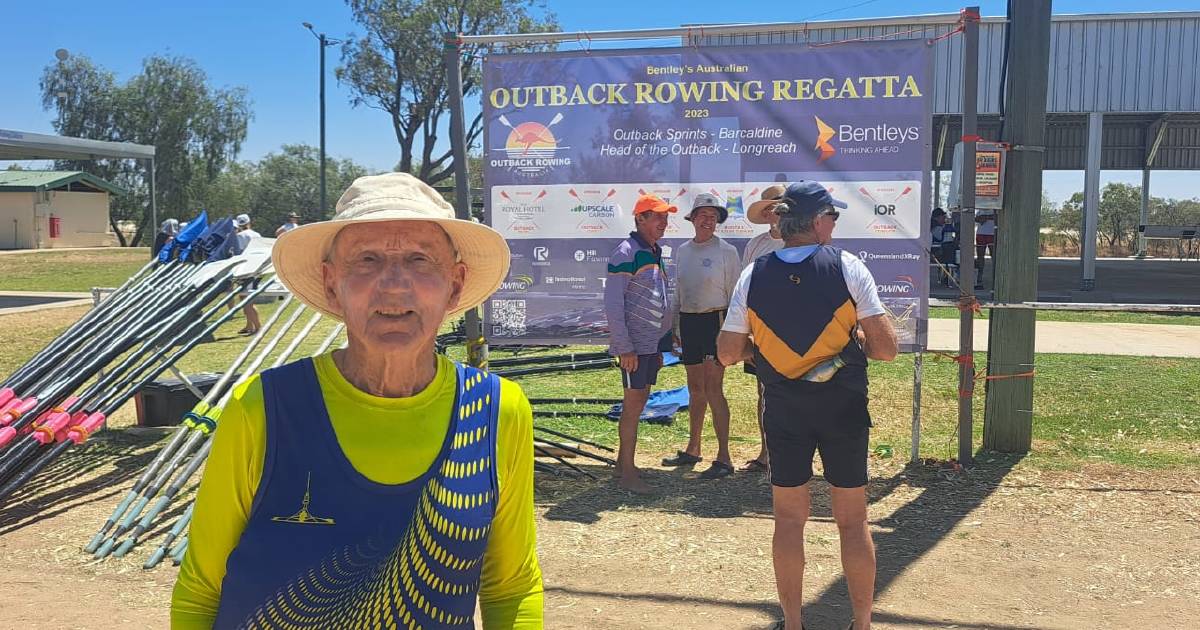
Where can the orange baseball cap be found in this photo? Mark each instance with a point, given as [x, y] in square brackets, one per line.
[652, 203]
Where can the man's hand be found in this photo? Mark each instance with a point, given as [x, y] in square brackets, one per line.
[629, 362]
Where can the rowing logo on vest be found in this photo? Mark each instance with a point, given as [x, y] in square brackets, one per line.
[304, 517]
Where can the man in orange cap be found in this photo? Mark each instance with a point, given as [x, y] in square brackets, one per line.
[638, 309]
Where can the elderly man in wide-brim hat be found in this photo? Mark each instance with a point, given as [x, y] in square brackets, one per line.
[379, 485]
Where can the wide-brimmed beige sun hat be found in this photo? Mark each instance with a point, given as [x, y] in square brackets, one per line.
[298, 254]
[757, 212]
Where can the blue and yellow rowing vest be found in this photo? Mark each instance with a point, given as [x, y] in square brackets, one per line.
[802, 314]
[325, 547]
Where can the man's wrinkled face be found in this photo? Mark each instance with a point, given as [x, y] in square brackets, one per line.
[393, 283]
[651, 225]
[705, 222]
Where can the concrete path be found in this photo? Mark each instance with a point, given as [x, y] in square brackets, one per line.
[12, 302]
[1156, 340]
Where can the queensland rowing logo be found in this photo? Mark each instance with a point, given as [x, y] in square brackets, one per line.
[901, 286]
[517, 284]
[598, 206]
[523, 207]
[530, 148]
[824, 135]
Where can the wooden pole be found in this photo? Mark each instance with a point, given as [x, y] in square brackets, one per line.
[966, 237]
[1008, 415]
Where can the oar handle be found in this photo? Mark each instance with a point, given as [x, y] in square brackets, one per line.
[84, 429]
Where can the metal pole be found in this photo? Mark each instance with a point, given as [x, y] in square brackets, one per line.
[966, 238]
[153, 197]
[1144, 215]
[452, 54]
[916, 417]
[1091, 201]
[1008, 409]
[321, 39]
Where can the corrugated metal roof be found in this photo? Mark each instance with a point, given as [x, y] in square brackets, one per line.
[1118, 63]
[1126, 139]
[18, 181]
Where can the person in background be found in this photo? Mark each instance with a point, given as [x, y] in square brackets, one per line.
[380, 485]
[816, 317]
[760, 213]
[166, 233]
[943, 242]
[293, 222]
[639, 313]
[985, 241]
[707, 268]
[245, 234]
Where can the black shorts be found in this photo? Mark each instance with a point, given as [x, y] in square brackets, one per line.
[646, 373]
[698, 336]
[801, 418]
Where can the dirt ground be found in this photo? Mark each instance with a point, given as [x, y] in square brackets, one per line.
[1001, 547]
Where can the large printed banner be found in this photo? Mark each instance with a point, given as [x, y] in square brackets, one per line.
[572, 139]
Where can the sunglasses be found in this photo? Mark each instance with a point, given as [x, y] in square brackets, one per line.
[833, 213]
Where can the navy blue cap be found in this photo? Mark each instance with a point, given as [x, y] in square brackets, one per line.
[806, 197]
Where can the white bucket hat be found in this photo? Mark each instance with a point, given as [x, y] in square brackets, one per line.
[298, 254]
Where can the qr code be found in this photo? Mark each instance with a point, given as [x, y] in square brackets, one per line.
[508, 318]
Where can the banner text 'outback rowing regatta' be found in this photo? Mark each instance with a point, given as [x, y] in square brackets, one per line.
[572, 139]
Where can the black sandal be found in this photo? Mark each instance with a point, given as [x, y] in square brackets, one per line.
[754, 466]
[682, 458]
[717, 470]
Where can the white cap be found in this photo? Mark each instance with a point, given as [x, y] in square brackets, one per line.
[241, 220]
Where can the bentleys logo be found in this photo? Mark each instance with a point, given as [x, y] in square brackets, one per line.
[530, 148]
[825, 133]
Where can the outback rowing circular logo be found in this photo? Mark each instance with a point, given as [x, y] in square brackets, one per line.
[530, 148]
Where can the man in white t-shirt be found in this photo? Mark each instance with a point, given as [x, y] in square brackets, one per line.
[293, 222]
[815, 316]
[242, 239]
[706, 269]
[760, 213]
[985, 241]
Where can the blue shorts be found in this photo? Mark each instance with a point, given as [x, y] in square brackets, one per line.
[646, 373]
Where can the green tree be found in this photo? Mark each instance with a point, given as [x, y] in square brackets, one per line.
[196, 130]
[289, 181]
[396, 66]
[1068, 221]
[1119, 212]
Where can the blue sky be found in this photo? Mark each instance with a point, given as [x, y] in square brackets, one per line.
[261, 45]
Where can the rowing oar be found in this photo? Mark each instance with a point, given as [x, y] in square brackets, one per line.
[572, 437]
[190, 420]
[48, 427]
[572, 449]
[172, 534]
[82, 327]
[549, 358]
[83, 427]
[563, 461]
[177, 485]
[179, 550]
[195, 433]
[551, 369]
[116, 334]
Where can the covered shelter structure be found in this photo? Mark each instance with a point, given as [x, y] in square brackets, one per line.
[1123, 91]
[20, 145]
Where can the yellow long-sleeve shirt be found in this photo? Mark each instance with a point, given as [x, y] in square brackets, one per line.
[388, 440]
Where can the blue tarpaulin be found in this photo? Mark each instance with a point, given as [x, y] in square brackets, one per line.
[660, 408]
[184, 239]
